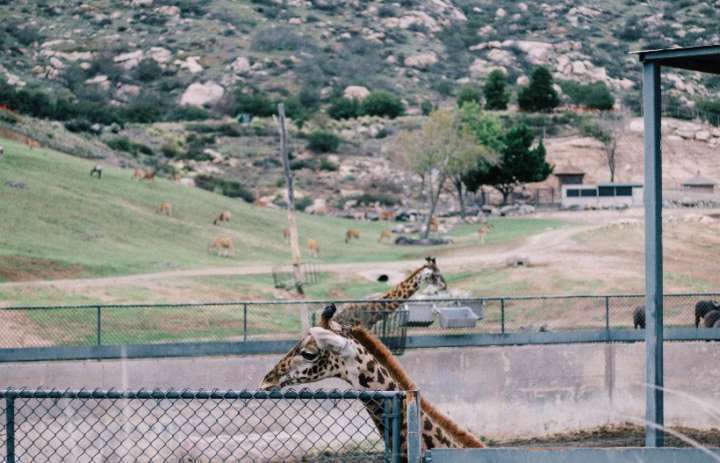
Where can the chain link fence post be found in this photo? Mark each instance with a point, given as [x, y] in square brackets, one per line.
[502, 316]
[414, 446]
[607, 313]
[99, 326]
[245, 315]
[10, 429]
[396, 418]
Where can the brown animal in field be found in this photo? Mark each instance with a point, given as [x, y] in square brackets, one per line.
[165, 208]
[2, 152]
[141, 174]
[483, 231]
[386, 215]
[224, 246]
[434, 225]
[286, 233]
[223, 217]
[385, 234]
[32, 144]
[138, 173]
[313, 247]
[350, 234]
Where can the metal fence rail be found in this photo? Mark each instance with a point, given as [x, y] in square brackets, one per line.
[208, 426]
[243, 321]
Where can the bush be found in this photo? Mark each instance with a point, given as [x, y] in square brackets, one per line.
[344, 108]
[277, 39]
[328, 166]
[78, 125]
[303, 203]
[323, 142]
[368, 199]
[147, 70]
[469, 93]
[300, 164]
[595, 95]
[170, 151]
[383, 104]
[224, 187]
[496, 95]
[124, 144]
[426, 107]
[255, 104]
[186, 113]
[710, 111]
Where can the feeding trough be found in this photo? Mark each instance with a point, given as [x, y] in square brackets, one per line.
[457, 317]
[420, 313]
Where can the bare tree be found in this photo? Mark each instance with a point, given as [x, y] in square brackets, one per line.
[608, 130]
[437, 152]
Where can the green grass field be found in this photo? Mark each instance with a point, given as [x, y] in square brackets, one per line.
[64, 223]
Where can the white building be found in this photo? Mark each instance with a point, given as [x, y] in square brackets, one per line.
[602, 195]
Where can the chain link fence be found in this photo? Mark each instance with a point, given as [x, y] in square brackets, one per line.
[393, 321]
[200, 426]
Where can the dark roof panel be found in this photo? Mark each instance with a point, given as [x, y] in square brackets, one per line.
[702, 59]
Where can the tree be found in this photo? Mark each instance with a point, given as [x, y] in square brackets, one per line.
[594, 96]
[608, 130]
[436, 152]
[496, 94]
[469, 93]
[539, 96]
[344, 108]
[383, 104]
[518, 163]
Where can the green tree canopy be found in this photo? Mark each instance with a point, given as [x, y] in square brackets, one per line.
[496, 94]
[539, 96]
[469, 93]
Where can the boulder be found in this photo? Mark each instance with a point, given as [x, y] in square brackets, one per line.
[356, 92]
[421, 60]
[502, 57]
[500, 13]
[100, 80]
[191, 64]
[127, 92]
[241, 65]
[169, 10]
[129, 60]
[702, 135]
[160, 55]
[199, 94]
[537, 52]
[187, 182]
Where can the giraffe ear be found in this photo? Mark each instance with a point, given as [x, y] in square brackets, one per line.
[333, 342]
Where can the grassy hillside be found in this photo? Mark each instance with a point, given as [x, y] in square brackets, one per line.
[59, 222]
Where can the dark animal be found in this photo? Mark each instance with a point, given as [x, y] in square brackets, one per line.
[639, 317]
[96, 170]
[712, 319]
[702, 308]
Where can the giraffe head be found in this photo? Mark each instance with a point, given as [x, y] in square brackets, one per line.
[427, 275]
[327, 351]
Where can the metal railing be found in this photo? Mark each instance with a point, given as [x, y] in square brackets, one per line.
[253, 426]
[124, 324]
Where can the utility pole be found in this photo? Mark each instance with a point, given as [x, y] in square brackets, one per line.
[292, 223]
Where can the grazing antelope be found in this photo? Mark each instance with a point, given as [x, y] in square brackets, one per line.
[97, 169]
[224, 246]
[483, 231]
[2, 152]
[165, 208]
[149, 176]
[313, 247]
[286, 233]
[386, 215]
[385, 234]
[434, 225]
[350, 234]
[32, 144]
[223, 217]
[138, 173]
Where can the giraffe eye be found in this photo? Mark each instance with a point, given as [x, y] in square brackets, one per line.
[309, 355]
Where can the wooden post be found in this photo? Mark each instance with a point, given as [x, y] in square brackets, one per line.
[292, 224]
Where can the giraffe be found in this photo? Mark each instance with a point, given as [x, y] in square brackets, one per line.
[356, 356]
[355, 314]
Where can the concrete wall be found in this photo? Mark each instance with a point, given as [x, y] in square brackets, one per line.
[498, 392]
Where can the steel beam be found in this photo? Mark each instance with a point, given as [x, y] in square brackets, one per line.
[654, 407]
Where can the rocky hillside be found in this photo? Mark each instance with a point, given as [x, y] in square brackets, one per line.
[165, 63]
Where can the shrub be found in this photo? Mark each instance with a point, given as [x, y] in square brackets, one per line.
[710, 111]
[255, 104]
[303, 203]
[124, 144]
[78, 125]
[170, 151]
[147, 70]
[323, 142]
[426, 107]
[384, 104]
[344, 108]
[595, 95]
[186, 113]
[469, 93]
[277, 39]
[299, 164]
[496, 94]
[328, 166]
[368, 199]
[224, 187]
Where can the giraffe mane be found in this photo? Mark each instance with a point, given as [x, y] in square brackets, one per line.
[397, 287]
[398, 373]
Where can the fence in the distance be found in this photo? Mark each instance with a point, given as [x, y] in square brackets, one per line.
[140, 324]
[174, 426]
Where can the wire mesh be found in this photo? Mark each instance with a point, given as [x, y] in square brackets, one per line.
[199, 426]
[26, 327]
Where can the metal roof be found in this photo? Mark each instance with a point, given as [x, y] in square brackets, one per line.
[569, 169]
[633, 185]
[703, 58]
[699, 180]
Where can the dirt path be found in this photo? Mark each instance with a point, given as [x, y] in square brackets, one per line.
[535, 247]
